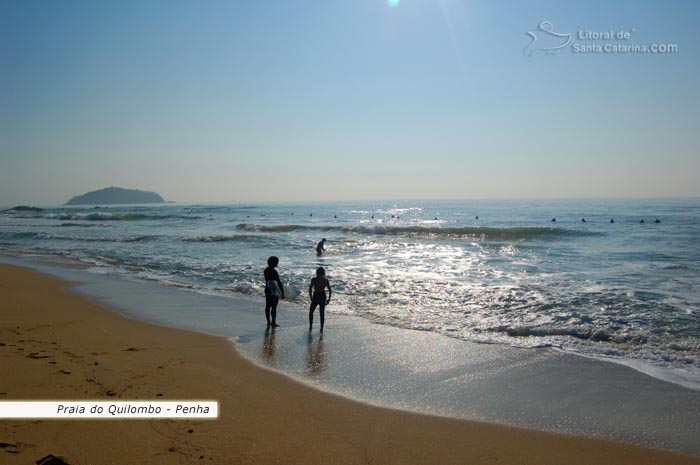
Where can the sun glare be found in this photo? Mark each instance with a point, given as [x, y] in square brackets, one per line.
[393, 3]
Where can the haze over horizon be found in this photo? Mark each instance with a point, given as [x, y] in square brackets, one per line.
[370, 99]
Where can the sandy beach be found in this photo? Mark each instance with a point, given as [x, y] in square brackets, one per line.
[56, 345]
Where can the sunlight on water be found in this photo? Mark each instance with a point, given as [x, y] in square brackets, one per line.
[627, 290]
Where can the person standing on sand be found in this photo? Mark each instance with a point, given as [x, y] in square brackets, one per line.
[317, 294]
[273, 291]
[319, 248]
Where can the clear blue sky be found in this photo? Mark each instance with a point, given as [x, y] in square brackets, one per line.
[355, 99]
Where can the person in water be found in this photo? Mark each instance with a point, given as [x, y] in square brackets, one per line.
[317, 294]
[320, 247]
[273, 291]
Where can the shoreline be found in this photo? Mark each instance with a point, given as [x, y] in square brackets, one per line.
[56, 267]
[261, 410]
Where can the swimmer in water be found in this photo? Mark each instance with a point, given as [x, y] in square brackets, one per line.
[320, 247]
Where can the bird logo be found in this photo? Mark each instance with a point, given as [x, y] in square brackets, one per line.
[545, 40]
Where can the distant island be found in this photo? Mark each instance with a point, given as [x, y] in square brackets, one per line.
[22, 208]
[115, 195]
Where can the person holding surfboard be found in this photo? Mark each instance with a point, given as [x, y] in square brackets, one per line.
[317, 294]
[273, 291]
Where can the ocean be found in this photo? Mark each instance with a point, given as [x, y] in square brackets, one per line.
[623, 285]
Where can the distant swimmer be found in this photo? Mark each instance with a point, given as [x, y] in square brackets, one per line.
[320, 247]
[372, 216]
[477, 217]
[554, 220]
[311, 214]
[583, 220]
[657, 221]
[335, 216]
[642, 221]
[612, 220]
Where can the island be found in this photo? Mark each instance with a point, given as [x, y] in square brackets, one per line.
[116, 195]
[22, 208]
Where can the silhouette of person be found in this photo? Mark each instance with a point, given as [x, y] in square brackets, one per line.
[320, 247]
[317, 294]
[273, 291]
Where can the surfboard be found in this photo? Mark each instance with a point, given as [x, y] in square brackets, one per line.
[274, 288]
[290, 292]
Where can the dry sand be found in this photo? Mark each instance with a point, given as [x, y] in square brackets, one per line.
[55, 345]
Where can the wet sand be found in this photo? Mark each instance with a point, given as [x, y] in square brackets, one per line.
[58, 345]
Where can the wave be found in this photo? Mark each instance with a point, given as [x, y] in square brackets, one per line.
[588, 334]
[280, 228]
[221, 238]
[520, 233]
[75, 225]
[58, 237]
[105, 216]
[19, 235]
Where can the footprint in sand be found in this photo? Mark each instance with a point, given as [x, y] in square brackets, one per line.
[9, 448]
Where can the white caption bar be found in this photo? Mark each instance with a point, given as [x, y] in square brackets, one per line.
[109, 410]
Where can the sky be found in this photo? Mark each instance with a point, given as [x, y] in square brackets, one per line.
[244, 101]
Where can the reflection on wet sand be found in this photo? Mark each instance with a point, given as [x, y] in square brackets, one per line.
[314, 357]
[268, 348]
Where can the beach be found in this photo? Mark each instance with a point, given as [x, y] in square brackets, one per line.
[509, 230]
[58, 345]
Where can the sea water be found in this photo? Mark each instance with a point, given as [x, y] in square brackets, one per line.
[619, 285]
